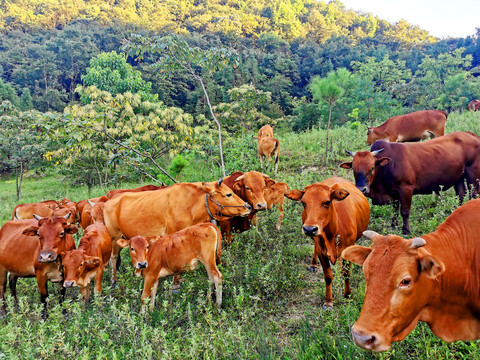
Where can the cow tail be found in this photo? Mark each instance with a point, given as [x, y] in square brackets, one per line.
[277, 151]
[218, 246]
[15, 216]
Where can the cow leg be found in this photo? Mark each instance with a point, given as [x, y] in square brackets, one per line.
[280, 217]
[114, 258]
[3, 286]
[405, 204]
[460, 190]
[346, 278]
[396, 210]
[43, 290]
[214, 277]
[85, 291]
[98, 280]
[317, 250]
[150, 287]
[12, 283]
[261, 160]
[328, 276]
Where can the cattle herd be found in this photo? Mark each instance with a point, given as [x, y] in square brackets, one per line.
[170, 229]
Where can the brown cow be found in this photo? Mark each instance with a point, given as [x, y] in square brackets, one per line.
[434, 278]
[155, 257]
[265, 131]
[159, 213]
[114, 193]
[268, 146]
[402, 170]
[87, 262]
[26, 210]
[335, 214]
[474, 105]
[30, 248]
[84, 210]
[415, 126]
[275, 195]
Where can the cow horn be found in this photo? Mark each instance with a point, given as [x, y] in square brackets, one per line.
[376, 152]
[418, 242]
[370, 234]
[67, 216]
[37, 217]
[219, 182]
[90, 203]
[240, 177]
[265, 175]
[350, 152]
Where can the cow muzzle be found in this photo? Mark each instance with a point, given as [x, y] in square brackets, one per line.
[365, 189]
[369, 340]
[142, 265]
[261, 206]
[47, 256]
[68, 284]
[310, 230]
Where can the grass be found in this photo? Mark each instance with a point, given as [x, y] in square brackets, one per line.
[272, 304]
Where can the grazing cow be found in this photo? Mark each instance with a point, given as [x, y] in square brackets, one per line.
[30, 248]
[335, 214]
[268, 146]
[113, 193]
[275, 195]
[84, 210]
[87, 262]
[159, 213]
[26, 210]
[416, 126]
[474, 105]
[416, 168]
[434, 278]
[155, 257]
[265, 131]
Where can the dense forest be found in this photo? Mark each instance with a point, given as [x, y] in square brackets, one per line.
[275, 51]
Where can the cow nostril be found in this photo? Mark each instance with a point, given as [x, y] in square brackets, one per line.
[142, 265]
[248, 207]
[261, 206]
[310, 230]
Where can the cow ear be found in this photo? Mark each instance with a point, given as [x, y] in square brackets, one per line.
[71, 229]
[346, 165]
[431, 266]
[123, 243]
[93, 261]
[207, 187]
[269, 182]
[295, 194]
[153, 239]
[238, 186]
[339, 194]
[31, 231]
[382, 161]
[356, 254]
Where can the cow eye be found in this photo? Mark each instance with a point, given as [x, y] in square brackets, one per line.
[247, 188]
[326, 203]
[229, 195]
[62, 233]
[81, 265]
[405, 283]
[132, 249]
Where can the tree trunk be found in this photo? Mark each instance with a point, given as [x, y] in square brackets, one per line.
[328, 129]
[18, 181]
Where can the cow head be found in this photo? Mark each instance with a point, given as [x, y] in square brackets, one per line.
[52, 232]
[250, 187]
[365, 164]
[274, 193]
[139, 246]
[78, 267]
[373, 135]
[223, 200]
[96, 212]
[400, 276]
[318, 209]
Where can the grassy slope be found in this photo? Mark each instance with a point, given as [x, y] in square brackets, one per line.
[272, 304]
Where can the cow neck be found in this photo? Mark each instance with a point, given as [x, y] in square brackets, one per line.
[212, 219]
[220, 209]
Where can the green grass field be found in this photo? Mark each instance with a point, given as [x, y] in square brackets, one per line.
[272, 305]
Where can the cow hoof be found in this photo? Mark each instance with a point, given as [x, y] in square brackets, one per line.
[114, 285]
[313, 269]
[176, 289]
[328, 305]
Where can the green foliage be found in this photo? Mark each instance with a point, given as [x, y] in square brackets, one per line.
[110, 72]
[25, 102]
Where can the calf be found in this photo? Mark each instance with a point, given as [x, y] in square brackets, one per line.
[275, 195]
[84, 208]
[31, 248]
[155, 257]
[264, 131]
[87, 262]
[434, 278]
[26, 210]
[335, 214]
[268, 147]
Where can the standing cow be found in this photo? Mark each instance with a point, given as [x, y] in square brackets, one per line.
[416, 126]
[335, 214]
[159, 213]
[474, 105]
[393, 171]
[434, 278]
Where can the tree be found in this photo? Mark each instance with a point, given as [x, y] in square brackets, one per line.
[329, 89]
[21, 142]
[175, 54]
[111, 72]
[26, 102]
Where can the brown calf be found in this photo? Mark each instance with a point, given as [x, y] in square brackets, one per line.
[84, 209]
[275, 195]
[155, 257]
[87, 262]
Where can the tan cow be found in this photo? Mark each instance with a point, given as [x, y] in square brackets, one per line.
[155, 257]
[264, 131]
[335, 214]
[268, 147]
[275, 195]
[116, 192]
[434, 278]
[415, 126]
[87, 262]
[84, 208]
[159, 213]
